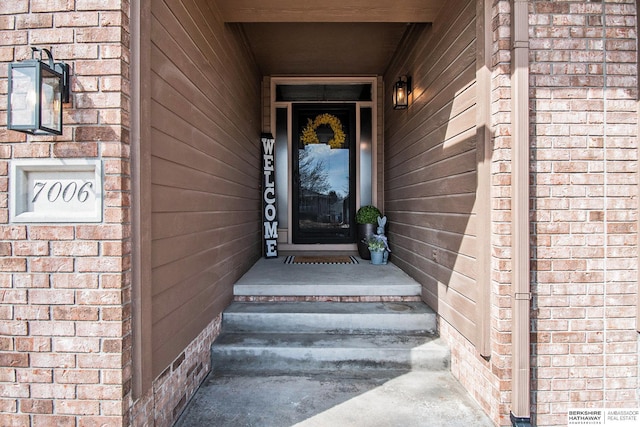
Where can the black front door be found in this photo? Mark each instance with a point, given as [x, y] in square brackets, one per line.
[323, 173]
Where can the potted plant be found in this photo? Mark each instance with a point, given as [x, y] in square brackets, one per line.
[378, 246]
[367, 219]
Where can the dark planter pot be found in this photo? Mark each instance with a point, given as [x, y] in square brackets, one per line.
[364, 232]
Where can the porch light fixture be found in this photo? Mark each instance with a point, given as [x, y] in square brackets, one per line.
[401, 91]
[37, 90]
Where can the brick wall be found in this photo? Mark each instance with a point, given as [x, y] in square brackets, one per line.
[165, 401]
[66, 355]
[584, 151]
[584, 213]
[65, 293]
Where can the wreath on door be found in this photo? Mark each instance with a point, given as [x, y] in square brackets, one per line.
[310, 136]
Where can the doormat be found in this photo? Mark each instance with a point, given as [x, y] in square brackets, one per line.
[320, 259]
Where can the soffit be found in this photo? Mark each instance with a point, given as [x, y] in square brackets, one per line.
[323, 48]
[329, 10]
[331, 37]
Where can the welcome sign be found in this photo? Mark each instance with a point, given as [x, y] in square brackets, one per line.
[270, 224]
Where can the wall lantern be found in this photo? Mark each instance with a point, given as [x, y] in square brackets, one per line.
[37, 90]
[401, 91]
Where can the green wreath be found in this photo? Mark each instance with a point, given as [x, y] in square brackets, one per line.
[309, 135]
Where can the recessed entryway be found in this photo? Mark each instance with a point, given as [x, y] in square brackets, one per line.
[325, 158]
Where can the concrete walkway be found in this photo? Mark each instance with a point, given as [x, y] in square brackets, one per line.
[425, 399]
[335, 398]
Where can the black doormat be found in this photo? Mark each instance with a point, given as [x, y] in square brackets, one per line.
[320, 259]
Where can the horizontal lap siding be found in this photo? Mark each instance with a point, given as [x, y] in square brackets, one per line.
[205, 170]
[430, 165]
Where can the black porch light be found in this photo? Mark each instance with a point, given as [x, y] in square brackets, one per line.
[37, 90]
[401, 91]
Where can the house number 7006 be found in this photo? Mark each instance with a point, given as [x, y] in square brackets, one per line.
[57, 190]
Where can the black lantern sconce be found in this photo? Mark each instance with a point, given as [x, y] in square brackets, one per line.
[401, 91]
[37, 90]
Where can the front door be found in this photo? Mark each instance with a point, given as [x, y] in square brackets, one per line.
[323, 173]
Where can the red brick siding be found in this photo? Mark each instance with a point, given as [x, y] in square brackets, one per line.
[584, 156]
[171, 391]
[65, 289]
[584, 151]
[584, 205]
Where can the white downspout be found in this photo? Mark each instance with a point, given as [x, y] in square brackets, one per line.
[521, 364]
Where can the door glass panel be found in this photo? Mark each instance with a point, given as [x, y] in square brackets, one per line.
[366, 156]
[282, 167]
[323, 185]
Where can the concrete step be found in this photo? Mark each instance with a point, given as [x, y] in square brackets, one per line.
[330, 317]
[353, 354]
[339, 289]
[315, 337]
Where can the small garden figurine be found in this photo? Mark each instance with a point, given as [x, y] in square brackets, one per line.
[381, 224]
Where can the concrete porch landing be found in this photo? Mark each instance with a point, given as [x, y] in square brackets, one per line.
[272, 277]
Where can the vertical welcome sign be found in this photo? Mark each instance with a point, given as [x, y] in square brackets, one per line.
[270, 224]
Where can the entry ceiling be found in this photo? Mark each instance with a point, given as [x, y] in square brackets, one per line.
[339, 37]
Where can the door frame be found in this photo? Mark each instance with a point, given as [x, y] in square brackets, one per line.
[285, 235]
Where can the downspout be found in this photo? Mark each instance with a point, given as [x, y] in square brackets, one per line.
[520, 351]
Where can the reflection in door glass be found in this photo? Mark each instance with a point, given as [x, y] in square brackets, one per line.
[324, 182]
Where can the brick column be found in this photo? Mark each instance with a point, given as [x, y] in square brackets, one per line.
[584, 154]
[65, 292]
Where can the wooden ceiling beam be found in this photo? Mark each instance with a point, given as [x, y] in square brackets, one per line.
[417, 11]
